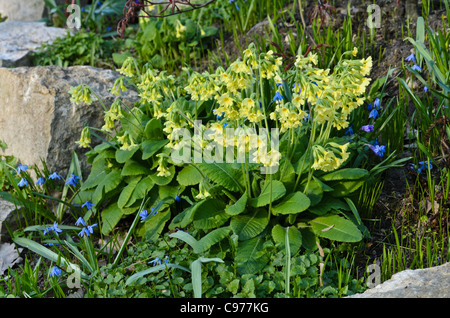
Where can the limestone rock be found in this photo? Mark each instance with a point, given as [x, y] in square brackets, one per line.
[38, 120]
[18, 39]
[8, 215]
[22, 10]
[431, 282]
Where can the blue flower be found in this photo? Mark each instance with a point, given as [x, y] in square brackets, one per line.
[416, 67]
[425, 89]
[80, 221]
[411, 58]
[21, 168]
[367, 128]
[156, 261]
[53, 228]
[54, 176]
[373, 114]
[143, 214]
[72, 180]
[56, 271]
[277, 97]
[224, 125]
[377, 103]
[423, 165]
[349, 131]
[378, 150]
[177, 198]
[23, 183]
[40, 181]
[88, 204]
[369, 107]
[87, 230]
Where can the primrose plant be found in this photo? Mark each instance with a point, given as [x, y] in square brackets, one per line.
[233, 153]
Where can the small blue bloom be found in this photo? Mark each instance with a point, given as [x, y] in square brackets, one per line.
[416, 67]
[56, 271]
[367, 128]
[108, 28]
[53, 228]
[88, 204]
[378, 150]
[143, 214]
[425, 89]
[156, 261]
[21, 168]
[349, 131]
[40, 181]
[23, 183]
[73, 180]
[369, 107]
[80, 221]
[377, 103]
[177, 198]
[411, 58]
[373, 114]
[54, 176]
[87, 230]
[224, 125]
[277, 97]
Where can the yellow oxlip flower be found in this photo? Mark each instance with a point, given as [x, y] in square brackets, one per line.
[85, 138]
[355, 51]
[179, 29]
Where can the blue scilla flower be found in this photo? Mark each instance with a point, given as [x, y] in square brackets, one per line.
[377, 103]
[21, 168]
[53, 228]
[54, 176]
[23, 183]
[411, 58]
[80, 221]
[373, 113]
[143, 214]
[177, 198]
[73, 180]
[56, 271]
[378, 150]
[349, 131]
[88, 204]
[224, 125]
[40, 181]
[156, 261]
[424, 165]
[87, 230]
[277, 97]
[416, 67]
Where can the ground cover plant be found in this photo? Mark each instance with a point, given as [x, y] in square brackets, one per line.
[257, 175]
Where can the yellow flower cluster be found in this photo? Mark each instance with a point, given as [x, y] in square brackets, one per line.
[330, 157]
[81, 94]
[85, 139]
[113, 114]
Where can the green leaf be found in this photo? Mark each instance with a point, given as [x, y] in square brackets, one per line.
[110, 182]
[134, 168]
[189, 176]
[209, 214]
[150, 147]
[127, 192]
[155, 225]
[162, 181]
[344, 188]
[205, 242]
[238, 207]
[224, 174]
[336, 228]
[141, 189]
[123, 155]
[327, 204]
[110, 217]
[196, 274]
[153, 130]
[293, 203]
[96, 175]
[270, 192]
[345, 174]
[251, 256]
[250, 225]
[294, 237]
[153, 269]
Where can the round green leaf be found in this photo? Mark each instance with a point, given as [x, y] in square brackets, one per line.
[248, 226]
[293, 203]
[336, 228]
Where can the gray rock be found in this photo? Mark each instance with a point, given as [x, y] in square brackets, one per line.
[18, 39]
[8, 215]
[38, 120]
[431, 282]
[22, 10]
